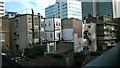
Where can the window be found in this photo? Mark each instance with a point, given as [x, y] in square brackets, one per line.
[57, 24]
[1, 6]
[1, 10]
[29, 21]
[58, 34]
[36, 22]
[17, 46]
[1, 2]
[29, 18]
[51, 35]
[51, 49]
[15, 35]
[89, 26]
[49, 23]
[1, 13]
[16, 23]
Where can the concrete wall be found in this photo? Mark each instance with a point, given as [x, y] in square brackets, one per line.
[62, 47]
[77, 26]
[20, 31]
[71, 26]
[78, 44]
[67, 34]
[19, 26]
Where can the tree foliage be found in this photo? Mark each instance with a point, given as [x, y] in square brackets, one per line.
[35, 51]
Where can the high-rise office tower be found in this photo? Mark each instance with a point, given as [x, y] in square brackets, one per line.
[65, 9]
[2, 8]
[101, 8]
[116, 8]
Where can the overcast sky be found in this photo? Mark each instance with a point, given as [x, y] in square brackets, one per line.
[24, 6]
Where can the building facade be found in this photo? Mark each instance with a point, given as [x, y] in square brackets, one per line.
[106, 32]
[65, 9]
[89, 34]
[4, 32]
[70, 27]
[72, 32]
[2, 8]
[52, 33]
[21, 31]
[117, 21]
[110, 7]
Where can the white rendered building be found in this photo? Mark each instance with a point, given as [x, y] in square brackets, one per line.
[89, 36]
[52, 33]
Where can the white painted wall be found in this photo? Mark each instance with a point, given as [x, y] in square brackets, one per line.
[116, 7]
[78, 44]
[92, 36]
[49, 29]
[51, 47]
[67, 34]
[50, 24]
[51, 38]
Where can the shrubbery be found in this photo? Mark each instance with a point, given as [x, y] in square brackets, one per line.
[58, 56]
[97, 53]
[35, 51]
[79, 59]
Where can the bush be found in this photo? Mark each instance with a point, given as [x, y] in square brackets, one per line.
[79, 59]
[58, 56]
[97, 53]
[35, 51]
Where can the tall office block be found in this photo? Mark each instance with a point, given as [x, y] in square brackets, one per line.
[65, 9]
[101, 8]
[2, 8]
[116, 7]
